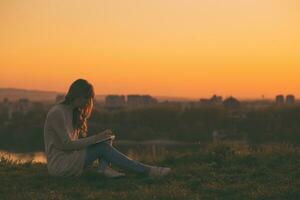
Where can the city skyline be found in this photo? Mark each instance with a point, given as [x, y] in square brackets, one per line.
[19, 93]
[179, 48]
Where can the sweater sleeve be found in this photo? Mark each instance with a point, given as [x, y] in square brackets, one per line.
[58, 125]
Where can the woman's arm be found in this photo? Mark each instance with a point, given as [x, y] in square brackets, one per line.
[58, 125]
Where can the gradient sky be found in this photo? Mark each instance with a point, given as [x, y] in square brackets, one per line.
[188, 48]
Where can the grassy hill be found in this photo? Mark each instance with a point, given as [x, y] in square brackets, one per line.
[223, 171]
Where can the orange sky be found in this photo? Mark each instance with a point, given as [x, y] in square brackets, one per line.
[187, 48]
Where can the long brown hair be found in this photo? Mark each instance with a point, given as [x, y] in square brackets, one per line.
[80, 88]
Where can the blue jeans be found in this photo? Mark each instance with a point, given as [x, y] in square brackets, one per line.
[106, 153]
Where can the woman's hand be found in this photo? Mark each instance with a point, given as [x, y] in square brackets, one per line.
[105, 134]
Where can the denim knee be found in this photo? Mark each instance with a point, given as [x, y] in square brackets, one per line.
[103, 145]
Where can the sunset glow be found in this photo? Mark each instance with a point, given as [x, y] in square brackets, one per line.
[187, 48]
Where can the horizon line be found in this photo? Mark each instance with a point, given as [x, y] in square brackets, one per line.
[158, 96]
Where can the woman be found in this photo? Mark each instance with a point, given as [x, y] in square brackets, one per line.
[68, 149]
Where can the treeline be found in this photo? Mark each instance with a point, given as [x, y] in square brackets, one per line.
[272, 124]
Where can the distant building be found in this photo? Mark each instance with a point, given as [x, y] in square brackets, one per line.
[231, 103]
[279, 99]
[140, 100]
[8, 108]
[134, 100]
[290, 99]
[214, 100]
[115, 101]
[148, 100]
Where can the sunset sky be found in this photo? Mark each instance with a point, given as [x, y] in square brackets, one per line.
[186, 48]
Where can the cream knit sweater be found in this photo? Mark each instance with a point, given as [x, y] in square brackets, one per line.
[64, 151]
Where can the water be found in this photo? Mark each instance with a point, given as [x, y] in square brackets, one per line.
[34, 157]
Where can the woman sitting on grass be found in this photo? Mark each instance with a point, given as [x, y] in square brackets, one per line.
[68, 149]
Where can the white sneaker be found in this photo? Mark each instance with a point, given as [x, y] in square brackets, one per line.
[159, 171]
[110, 173]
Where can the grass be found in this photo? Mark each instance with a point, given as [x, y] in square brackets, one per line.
[222, 171]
